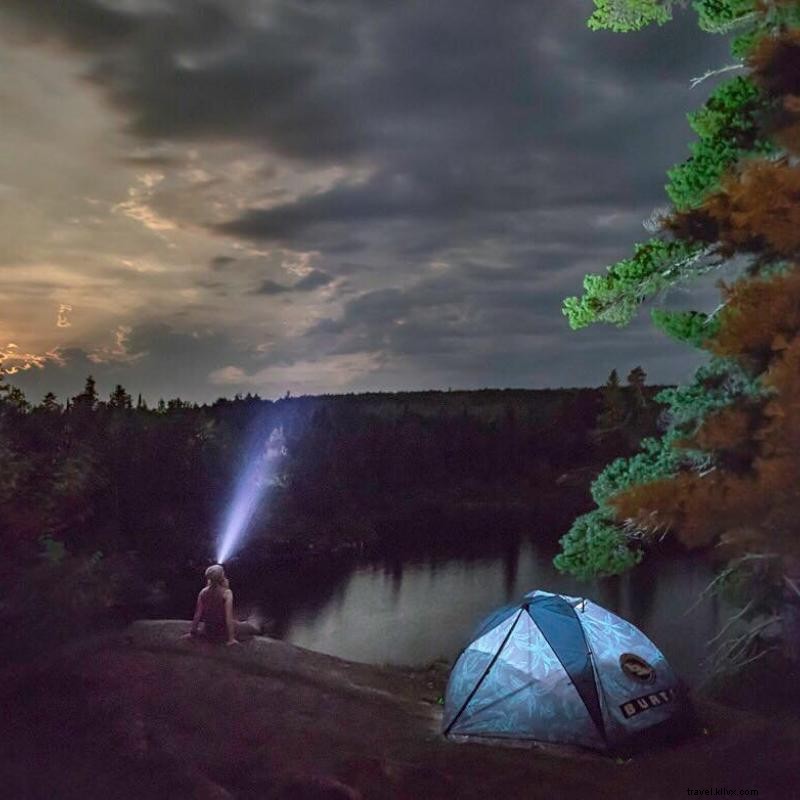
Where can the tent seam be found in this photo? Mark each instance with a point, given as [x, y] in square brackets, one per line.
[599, 728]
[485, 673]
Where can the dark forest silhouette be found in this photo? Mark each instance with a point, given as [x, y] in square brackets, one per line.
[112, 496]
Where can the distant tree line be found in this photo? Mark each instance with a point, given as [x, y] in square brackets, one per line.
[114, 475]
[104, 500]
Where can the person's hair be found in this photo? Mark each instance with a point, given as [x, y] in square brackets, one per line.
[215, 576]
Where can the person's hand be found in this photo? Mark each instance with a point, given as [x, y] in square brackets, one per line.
[231, 642]
[189, 635]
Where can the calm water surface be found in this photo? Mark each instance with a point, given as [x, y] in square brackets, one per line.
[415, 611]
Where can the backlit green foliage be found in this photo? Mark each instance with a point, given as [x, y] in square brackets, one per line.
[714, 386]
[778, 17]
[691, 327]
[629, 15]
[657, 459]
[728, 110]
[743, 44]
[728, 129]
[715, 16]
[725, 472]
[784, 16]
[615, 296]
[596, 546]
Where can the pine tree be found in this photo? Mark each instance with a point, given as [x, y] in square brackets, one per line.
[87, 399]
[631, 15]
[14, 396]
[50, 403]
[724, 472]
[614, 412]
[119, 398]
[636, 379]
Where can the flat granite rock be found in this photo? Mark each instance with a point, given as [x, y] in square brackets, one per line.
[261, 654]
[147, 713]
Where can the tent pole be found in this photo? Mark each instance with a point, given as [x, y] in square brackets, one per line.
[485, 673]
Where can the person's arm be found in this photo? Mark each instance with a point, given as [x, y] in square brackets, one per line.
[198, 612]
[229, 618]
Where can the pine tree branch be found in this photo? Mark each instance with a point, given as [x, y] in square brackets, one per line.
[727, 649]
[732, 566]
[726, 27]
[739, 664]
[735, 666]
[695, 81]
[636, 530]
[792, 585]
[730, 622]
[716, 311]
[641, 294]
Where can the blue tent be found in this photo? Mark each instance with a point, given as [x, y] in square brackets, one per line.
[561, 669]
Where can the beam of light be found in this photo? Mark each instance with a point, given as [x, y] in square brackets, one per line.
[260, 473]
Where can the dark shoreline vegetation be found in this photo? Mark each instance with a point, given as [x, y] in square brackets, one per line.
[104, 503]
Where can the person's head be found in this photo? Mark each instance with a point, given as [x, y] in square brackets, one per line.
[215, 577]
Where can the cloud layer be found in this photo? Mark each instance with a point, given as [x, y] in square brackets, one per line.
[298, 195]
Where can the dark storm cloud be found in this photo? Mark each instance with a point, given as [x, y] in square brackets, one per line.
[85, 24]
[437, 322]
[477, 323]
[203, 69]
[475, 120]
[510, 131]
[315, 279]
[219, 263]
[148, 161]
[408, 82]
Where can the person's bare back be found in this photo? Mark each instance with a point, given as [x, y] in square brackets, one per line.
[214, 611]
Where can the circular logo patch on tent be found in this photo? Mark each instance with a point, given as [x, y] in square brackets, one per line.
[637, 668]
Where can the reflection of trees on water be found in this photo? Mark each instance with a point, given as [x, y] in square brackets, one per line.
[440, 578]
[640, 584]
[285, 590]
[418, 592]
[395, 571]
[510, 569]
[611, 592]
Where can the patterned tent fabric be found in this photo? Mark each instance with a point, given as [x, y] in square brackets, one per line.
[562, 669]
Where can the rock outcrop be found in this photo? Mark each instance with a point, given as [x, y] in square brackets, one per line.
[146, 713]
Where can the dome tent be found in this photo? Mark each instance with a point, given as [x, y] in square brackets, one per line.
[553, 668]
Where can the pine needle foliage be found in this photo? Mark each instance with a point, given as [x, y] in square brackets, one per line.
[692, 327]
[726, 471]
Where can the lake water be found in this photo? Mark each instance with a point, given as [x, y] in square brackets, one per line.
[415, 611]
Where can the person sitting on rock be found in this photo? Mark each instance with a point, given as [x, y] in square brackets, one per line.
[214, 611]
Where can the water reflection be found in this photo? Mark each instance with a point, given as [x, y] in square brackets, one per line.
[420, 610]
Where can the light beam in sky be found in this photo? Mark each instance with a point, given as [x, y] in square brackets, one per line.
[259, 474]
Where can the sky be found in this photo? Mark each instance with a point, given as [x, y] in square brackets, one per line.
[204, 197]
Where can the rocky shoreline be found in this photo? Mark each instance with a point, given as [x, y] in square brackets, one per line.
[146, 713]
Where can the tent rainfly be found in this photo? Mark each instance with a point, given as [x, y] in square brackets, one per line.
[553, 668]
